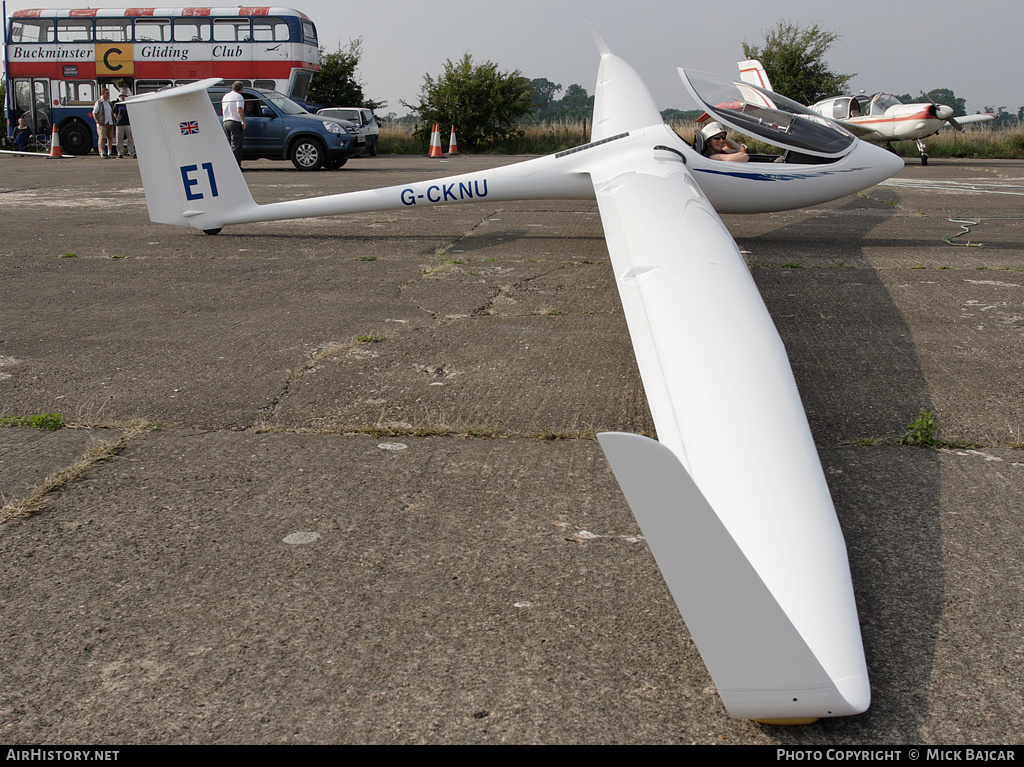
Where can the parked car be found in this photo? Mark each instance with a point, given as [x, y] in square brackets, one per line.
[276, 128]
[362, 117]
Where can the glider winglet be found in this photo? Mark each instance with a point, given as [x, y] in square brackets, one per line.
[760, 663]
[621, 100]
[602, 46]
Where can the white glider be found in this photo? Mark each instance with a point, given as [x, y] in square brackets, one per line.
[744, 531]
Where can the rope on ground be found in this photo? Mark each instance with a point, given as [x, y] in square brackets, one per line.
[965, 228]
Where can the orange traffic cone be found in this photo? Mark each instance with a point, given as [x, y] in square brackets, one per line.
[435, 142]
[55, 146]
[453, 148]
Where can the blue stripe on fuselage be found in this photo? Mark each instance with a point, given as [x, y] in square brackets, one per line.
[766, 176]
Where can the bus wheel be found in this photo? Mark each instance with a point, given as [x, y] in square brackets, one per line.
[75, 138]
[308, 154]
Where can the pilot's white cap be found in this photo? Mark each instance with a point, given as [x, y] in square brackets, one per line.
[712, 129]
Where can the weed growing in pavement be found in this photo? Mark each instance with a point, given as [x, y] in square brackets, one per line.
[43, 421]
[922, 430]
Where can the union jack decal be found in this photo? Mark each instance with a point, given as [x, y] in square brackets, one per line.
[189, 127]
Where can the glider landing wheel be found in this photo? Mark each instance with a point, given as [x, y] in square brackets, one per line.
[924, 159]
[213, 231]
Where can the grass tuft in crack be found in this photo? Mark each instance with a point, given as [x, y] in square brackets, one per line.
[43, 421]
[98, 451]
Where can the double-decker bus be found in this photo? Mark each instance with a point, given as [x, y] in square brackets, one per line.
[58, 61]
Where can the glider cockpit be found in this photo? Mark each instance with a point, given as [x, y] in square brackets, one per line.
[804, 136]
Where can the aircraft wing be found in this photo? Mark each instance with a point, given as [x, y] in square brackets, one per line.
[979, 118]
[732, 498]
[858, 130]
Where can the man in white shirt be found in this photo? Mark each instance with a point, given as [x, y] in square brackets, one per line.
[232, 108]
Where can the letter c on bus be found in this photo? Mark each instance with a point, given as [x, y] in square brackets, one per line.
[106, 59]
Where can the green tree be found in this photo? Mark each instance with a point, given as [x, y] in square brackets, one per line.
[483, 103]
[681, 115]
[576, 105]
[335, 85]
[793, 57]
[947, 97]
[939, 96]
[543, 95]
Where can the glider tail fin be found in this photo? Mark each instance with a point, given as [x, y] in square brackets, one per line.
[752, 71]
[188, 171]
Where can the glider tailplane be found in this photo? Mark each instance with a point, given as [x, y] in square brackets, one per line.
[180, 143]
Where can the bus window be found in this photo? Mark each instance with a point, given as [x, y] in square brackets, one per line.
[231, 30]
[32, 31]
[300, 86]
[153, 30]
[78, 92]
[309, 32]
[266, 85]
[113, 30]
[74, 30]
[269, 30]
[191, 30]
[151, 86]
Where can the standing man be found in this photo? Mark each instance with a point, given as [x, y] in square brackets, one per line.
[232, 107]
[103, 114]
[123, 129]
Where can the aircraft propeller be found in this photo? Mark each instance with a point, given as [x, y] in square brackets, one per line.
[943, 112]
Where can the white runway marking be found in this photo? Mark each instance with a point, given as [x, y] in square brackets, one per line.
[1014, 186]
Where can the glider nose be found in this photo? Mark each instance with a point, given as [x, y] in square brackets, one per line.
[880, 163]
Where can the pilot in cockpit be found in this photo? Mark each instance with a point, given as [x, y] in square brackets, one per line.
[718, 146]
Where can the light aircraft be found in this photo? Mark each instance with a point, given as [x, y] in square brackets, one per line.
[745, 533]
[880, 118]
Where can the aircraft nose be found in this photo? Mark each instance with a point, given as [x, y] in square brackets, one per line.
[883, 162]
[943, 112]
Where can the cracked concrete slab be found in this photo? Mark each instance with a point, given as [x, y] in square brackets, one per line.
[215, 583]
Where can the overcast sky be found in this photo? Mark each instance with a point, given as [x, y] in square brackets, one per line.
[974, 48]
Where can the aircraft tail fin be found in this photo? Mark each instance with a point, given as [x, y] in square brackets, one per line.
[752, 71]
[180, 140]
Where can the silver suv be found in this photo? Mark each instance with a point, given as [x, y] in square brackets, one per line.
[360, 116]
